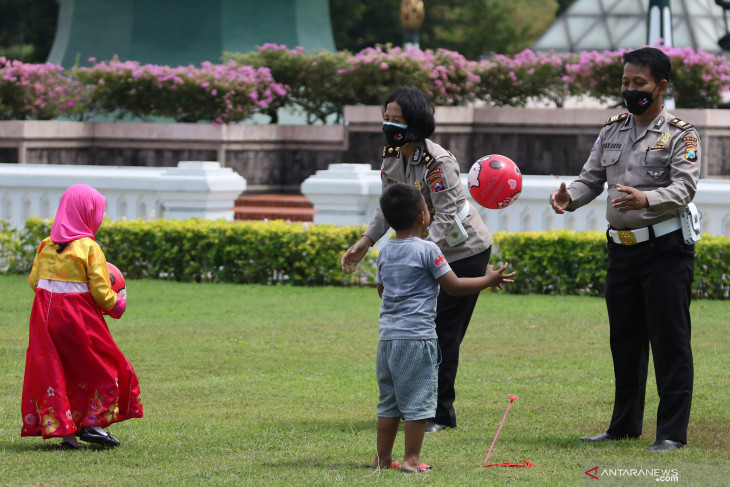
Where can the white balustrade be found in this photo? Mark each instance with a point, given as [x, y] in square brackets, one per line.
[347, 194]
[201, 189]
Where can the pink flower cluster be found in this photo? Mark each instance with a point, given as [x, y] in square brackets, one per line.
[298, 51]
[35, 91]
[454, 77]
[446, 76]
[321, 84]
[698, 79]
[513, 81]
[375, 71]
[222, 93]
[703, 74]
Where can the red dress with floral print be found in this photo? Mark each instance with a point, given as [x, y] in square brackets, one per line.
[75, 375]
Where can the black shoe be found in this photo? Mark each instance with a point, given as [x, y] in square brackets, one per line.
[92, 436]
[65, 445]
[665, 445]
[601, 437]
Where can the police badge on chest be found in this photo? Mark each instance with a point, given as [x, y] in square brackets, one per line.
[656, 174]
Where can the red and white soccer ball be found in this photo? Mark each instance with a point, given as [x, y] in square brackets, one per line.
[116, 278]
[495, 181]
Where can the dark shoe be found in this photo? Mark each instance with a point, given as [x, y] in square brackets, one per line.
[601, 437]
[665, 445]
[65, 445]
[92, 436]
[432, 427]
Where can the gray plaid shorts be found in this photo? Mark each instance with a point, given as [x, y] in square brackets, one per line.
[407, 372]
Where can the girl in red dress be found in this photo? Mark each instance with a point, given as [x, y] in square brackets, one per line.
[77, 381]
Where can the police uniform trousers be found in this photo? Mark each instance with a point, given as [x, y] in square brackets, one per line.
[452, 318]
[648, 293]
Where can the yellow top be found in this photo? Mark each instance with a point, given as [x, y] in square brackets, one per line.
[81, 261]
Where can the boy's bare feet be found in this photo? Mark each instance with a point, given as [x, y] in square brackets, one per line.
[385, 464]
[422, 467]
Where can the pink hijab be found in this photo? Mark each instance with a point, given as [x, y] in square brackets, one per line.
[79, 214]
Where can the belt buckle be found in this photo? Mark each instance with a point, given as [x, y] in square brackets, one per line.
[627, 237]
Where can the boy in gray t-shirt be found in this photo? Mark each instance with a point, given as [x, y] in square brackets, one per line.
[410, 271]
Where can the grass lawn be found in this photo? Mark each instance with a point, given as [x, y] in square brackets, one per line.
[257, 385]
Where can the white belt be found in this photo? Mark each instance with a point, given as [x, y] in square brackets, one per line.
[463, 213]
[632, 237]
[63, 286]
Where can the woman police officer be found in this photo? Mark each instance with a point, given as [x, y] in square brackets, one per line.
[411, 157]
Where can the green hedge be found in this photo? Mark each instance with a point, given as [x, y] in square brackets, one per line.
[213, 251]
[570, 262]
[712, 268]
[14, 254]
[557, 262]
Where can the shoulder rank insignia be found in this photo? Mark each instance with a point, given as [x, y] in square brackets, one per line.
[616, 118]
[427, 159]
[390, 151]
[679, 123]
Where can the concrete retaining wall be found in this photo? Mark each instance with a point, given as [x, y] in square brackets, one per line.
[280, 157]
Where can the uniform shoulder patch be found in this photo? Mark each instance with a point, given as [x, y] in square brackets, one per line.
[389, 151]
[616, 118]
[679, 123]
[434, 173]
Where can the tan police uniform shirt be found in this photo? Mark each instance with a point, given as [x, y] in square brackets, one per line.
[663, 161]
[435, 172]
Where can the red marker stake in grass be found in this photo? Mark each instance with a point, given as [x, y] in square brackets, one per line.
[512, 398]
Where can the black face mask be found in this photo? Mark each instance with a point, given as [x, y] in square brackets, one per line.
[395, 134]
[637, 102]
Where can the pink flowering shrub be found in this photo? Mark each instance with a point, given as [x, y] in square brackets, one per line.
[454, 79]
[698, 79]
[529, 75]
[323, 83]
[37, 91]
[596, 74]
[544, 74]
[446, 76]
[286, 67]
[499, 83]
[374, 72]
[311, 79]
[222, 93]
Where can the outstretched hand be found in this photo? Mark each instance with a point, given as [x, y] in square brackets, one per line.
[498, 277]
[354, 255]
[560, 199]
